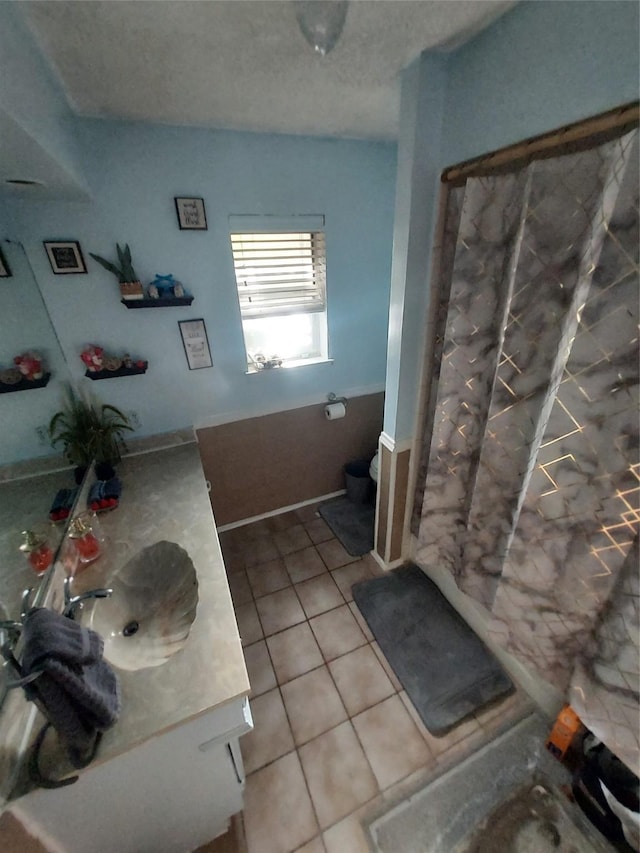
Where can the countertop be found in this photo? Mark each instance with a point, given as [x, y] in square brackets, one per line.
[164, 497]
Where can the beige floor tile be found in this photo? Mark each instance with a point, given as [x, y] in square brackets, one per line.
[337, 632]
[440, 745]
[292, 539]
[261, 674]
[313, 705]
[304, 564]
[393, 678]
[313, 846]
[282, 521]
[362, 622]
[318, 530]
[233, 561]
[319, 594]
[348, 835]
[308, 513]
[392, 743]
[373, 565]
[294, 652]
[248, 623]
[260, 550]
[334, 555]
[240, 589]
[278, 815]
[348, 575]
[338, 774]
[255, 530]
[463, 748]
[271, 736]
[268, 577]
[360, 679]
[279, 610]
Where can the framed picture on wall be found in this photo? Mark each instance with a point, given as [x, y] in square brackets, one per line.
[191, 214]
[196, 343]
[5, 272]
[65, 257]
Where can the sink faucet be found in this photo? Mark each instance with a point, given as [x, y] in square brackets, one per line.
[73, 602]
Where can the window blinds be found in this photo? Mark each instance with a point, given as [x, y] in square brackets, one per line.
[280, 273]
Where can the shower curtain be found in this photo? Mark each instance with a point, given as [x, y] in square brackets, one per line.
[530, 476]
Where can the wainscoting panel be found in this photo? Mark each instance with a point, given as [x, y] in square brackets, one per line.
[259, 465]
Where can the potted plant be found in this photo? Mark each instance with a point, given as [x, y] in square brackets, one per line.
[90, 431]
[130, 287]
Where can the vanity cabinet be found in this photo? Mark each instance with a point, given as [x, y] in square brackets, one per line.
[170, 794]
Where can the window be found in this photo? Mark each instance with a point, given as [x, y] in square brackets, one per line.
[281, 283]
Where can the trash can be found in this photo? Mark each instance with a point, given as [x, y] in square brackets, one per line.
[357, 481]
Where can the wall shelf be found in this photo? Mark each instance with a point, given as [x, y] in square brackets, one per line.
[25, 384]
[161, 302]
[115, 374]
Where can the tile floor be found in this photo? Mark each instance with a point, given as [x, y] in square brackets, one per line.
[335, 735]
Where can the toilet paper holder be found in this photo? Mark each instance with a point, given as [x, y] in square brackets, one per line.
[331, 397]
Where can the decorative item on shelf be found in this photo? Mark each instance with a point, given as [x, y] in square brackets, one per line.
[28, 373]
[102, 366]
[37, 550]
[163, 292]
[261, 362]
[30, 365]
[130, 287]
[89, 430]
[93, 358]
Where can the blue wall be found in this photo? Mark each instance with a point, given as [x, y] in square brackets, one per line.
[134, 172]
[539, 67]
[543, 65]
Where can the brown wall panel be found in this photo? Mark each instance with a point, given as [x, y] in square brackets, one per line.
[399, 503]
[262, 464]
[385, 459]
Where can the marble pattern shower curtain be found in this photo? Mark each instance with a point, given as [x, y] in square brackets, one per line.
[530, 474]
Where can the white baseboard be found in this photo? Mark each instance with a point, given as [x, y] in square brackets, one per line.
[279, 511]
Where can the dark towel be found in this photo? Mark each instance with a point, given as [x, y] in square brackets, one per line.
[79, 699]
[104, 490]
[48, 634]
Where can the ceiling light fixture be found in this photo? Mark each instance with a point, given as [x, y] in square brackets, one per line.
[321, 22]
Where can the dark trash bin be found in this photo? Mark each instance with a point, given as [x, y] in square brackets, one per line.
[357, 481]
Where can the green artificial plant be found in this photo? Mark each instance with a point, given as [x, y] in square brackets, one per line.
[89, 430]
[125, 273]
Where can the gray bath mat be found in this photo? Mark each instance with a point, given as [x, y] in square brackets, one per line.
[444, 667]
[352, 523]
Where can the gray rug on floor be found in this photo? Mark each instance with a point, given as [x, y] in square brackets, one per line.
[351, 523]
[445, 668]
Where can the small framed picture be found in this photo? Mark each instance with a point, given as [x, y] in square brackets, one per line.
[65, 257]
[196, 343]
[5, 272]
[191, 214]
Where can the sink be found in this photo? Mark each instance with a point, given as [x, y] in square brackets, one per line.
[149, 616]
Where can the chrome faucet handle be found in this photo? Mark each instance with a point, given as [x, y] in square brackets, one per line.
[72, 603]
[25, 603]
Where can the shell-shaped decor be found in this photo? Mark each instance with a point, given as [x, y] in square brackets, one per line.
[149, 616]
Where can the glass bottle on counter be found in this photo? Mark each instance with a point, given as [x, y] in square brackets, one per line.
[85, 538]
[37, 550]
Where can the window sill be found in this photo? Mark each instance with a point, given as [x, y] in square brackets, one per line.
[300, 363]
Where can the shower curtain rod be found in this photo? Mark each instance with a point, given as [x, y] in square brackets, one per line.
[570, 139]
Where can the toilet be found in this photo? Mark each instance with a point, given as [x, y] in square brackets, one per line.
[373, 468]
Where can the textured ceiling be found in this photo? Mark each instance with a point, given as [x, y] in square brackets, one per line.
[243, 64]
